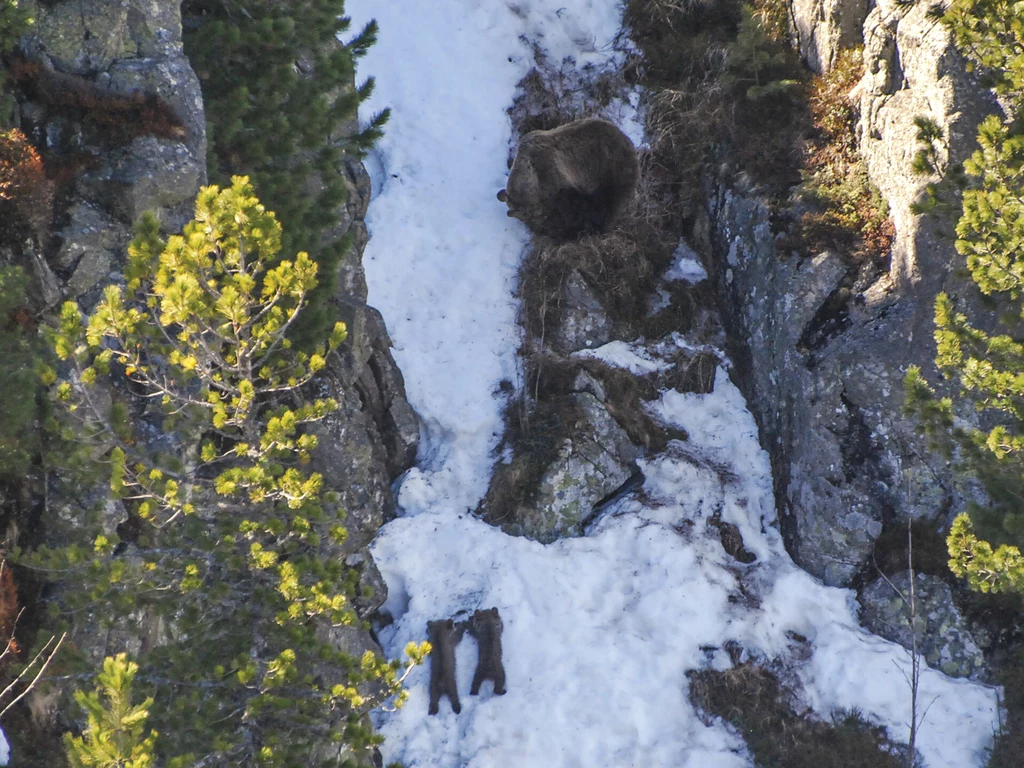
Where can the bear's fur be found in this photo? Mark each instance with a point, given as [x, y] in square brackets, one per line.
[443, 636]
[486, 627]
[573, 180]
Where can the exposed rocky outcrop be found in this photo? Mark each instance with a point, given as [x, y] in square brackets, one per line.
[822, 28]
[119, 48]
[593, 461]
[136, 46]
[584, 323]
[942, 634]
[826, 343]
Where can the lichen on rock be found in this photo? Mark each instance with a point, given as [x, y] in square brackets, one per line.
[942, 635]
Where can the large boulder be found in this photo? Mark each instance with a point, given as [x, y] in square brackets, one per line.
[594, 460]
[583, 321]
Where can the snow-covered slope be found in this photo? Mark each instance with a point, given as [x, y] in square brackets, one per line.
[599, 631]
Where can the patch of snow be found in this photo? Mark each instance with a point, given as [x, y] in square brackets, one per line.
[599, 630]
[675, 341]
[620, 354]
[5, 749]
[625, 113]
[686, 265]
[374, 164]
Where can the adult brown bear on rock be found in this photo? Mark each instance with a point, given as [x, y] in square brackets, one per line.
[573, 180]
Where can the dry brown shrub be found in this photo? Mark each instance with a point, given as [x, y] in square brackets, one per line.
[683, 126]
[681, 41]
[8, 605]
[26, 195]
[753, 700]
[834, 111]
[846, 213]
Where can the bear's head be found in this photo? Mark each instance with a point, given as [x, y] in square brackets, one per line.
[486, 620]
[522, 191]
[434, 627]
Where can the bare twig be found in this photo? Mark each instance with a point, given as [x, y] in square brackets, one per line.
[39, 674]
[915, 660]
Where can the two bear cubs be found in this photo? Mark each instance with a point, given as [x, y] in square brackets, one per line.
[485, 626]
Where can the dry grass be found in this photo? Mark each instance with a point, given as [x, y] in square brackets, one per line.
[682, 41]
[551, 95]
[753, 701]
[700, 117]
[846, 213]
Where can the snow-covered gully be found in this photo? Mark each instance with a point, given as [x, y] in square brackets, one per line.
[600, 630]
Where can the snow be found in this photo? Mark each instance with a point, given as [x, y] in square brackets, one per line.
[622, 355]
[599, 630]
[686, 266]
[5, 749]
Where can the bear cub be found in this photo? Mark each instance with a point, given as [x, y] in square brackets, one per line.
[573, 180]
[486, 627]
[443, 636]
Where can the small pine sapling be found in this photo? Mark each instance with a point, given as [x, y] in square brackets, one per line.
[115, 735]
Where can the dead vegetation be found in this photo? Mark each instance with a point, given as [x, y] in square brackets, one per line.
[727, 91]
[840, 210]
[552, 94]
[26, 195]
[756, 704]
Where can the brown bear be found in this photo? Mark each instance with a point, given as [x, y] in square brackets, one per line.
[573, 180]
[486, 627]
[443, 636]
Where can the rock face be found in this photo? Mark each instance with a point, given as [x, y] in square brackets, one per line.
[822, 28]
[136, 45]
[942, 634]
[584, 322]
[594, 462]
[826, 345]
[121, 48]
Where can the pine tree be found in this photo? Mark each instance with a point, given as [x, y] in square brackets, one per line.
[757, 61]
[15, 21]
[232, 542]
[986, 371]
[114, 736]
[990, 33]
[281, 122]
[19, 381]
